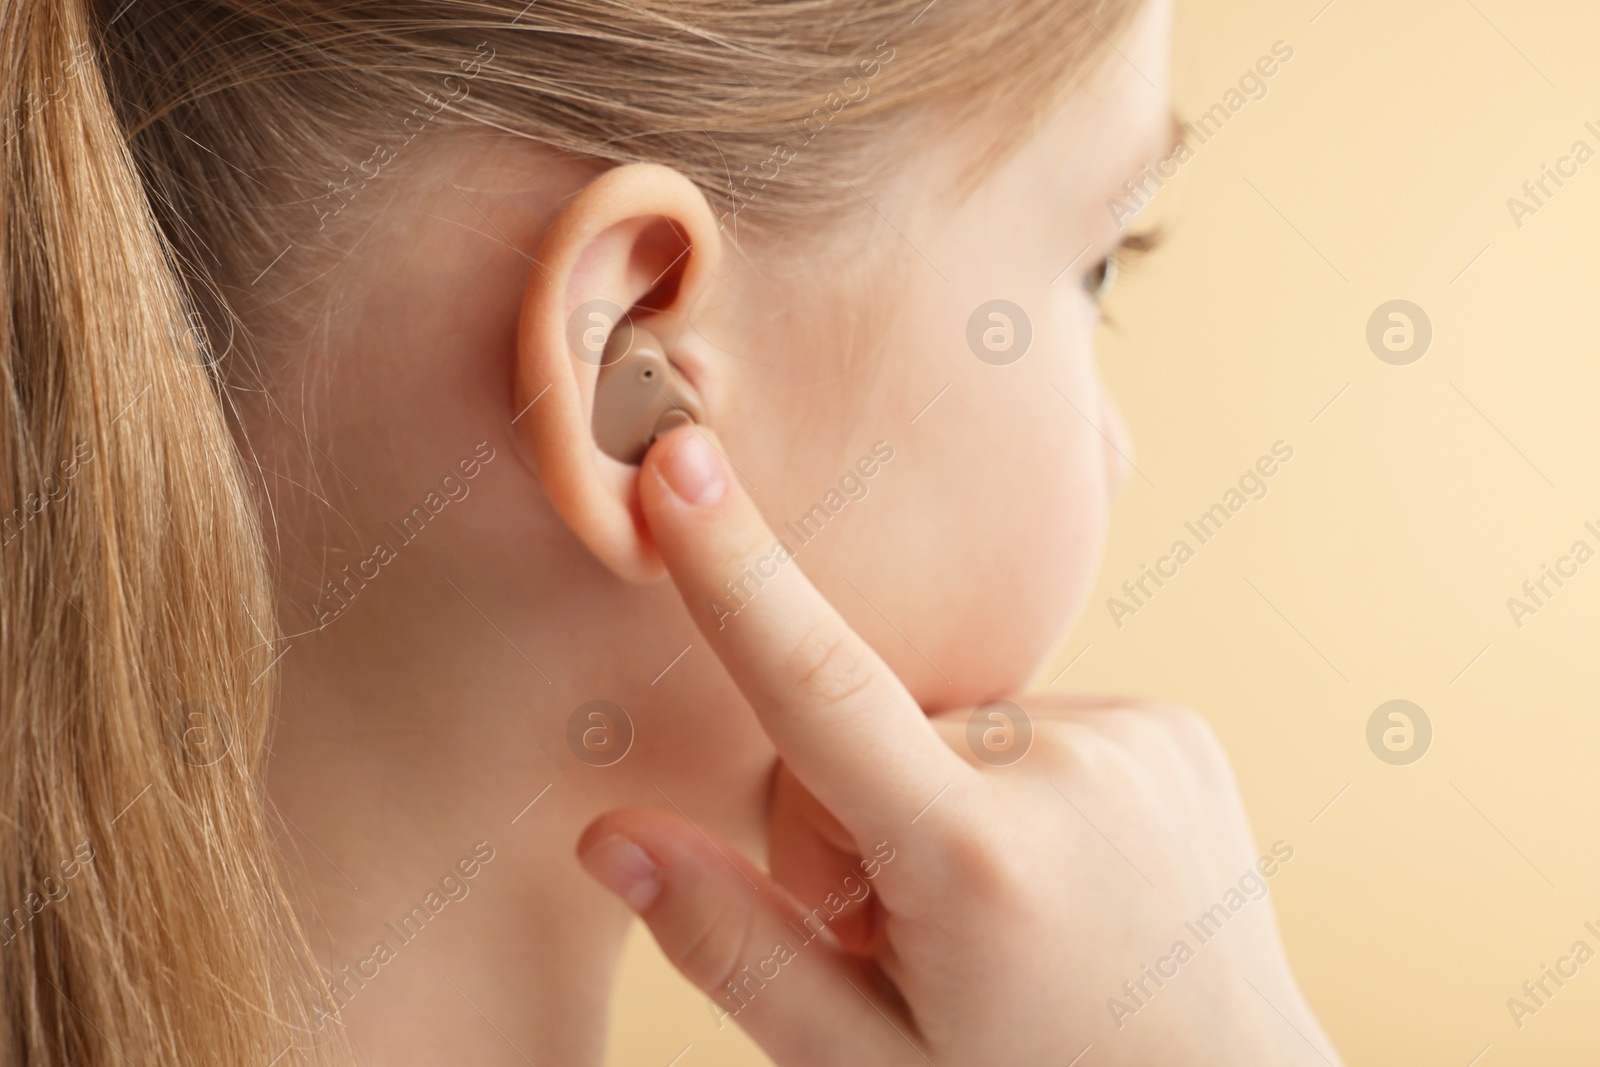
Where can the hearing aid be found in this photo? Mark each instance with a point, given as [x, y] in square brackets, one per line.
[639, 394]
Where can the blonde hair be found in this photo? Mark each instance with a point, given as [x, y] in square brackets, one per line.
[160, 159]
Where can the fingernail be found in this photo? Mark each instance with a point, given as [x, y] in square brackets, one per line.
[694, 470]
[625, 869]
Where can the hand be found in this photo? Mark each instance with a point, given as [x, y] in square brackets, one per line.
[974, 914]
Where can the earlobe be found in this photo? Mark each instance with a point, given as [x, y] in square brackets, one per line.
[636, 247]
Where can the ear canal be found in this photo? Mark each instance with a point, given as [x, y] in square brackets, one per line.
[639, 395]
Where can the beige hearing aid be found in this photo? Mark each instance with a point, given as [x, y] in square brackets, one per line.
[639, 394]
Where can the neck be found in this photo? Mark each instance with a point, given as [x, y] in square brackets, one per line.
[433, 788]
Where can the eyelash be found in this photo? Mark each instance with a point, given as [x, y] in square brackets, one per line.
[1102, 277]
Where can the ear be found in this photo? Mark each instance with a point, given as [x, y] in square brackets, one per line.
[641, 241]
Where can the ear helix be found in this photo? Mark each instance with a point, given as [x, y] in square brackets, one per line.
[639, 395]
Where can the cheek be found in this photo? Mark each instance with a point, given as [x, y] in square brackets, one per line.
[1037, 538]
[975, 546]
[980, 540]
[993, 542]
[1119, 444]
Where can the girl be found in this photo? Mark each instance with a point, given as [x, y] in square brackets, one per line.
[344, 661]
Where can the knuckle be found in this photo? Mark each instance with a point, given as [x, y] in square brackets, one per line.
[830, 666]
[1087, 753]
[1191, 734]
[1059, 741]
[1185, 723]
[1177, 746]
[1154, 726]
[993, 867]
[713, 950]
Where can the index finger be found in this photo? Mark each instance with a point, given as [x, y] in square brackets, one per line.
[841, 720]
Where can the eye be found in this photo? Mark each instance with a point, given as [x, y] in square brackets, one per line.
[1101, 279]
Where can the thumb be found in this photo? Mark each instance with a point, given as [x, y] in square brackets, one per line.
[742, 940]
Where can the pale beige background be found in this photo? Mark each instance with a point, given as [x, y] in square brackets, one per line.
[1418, 501]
